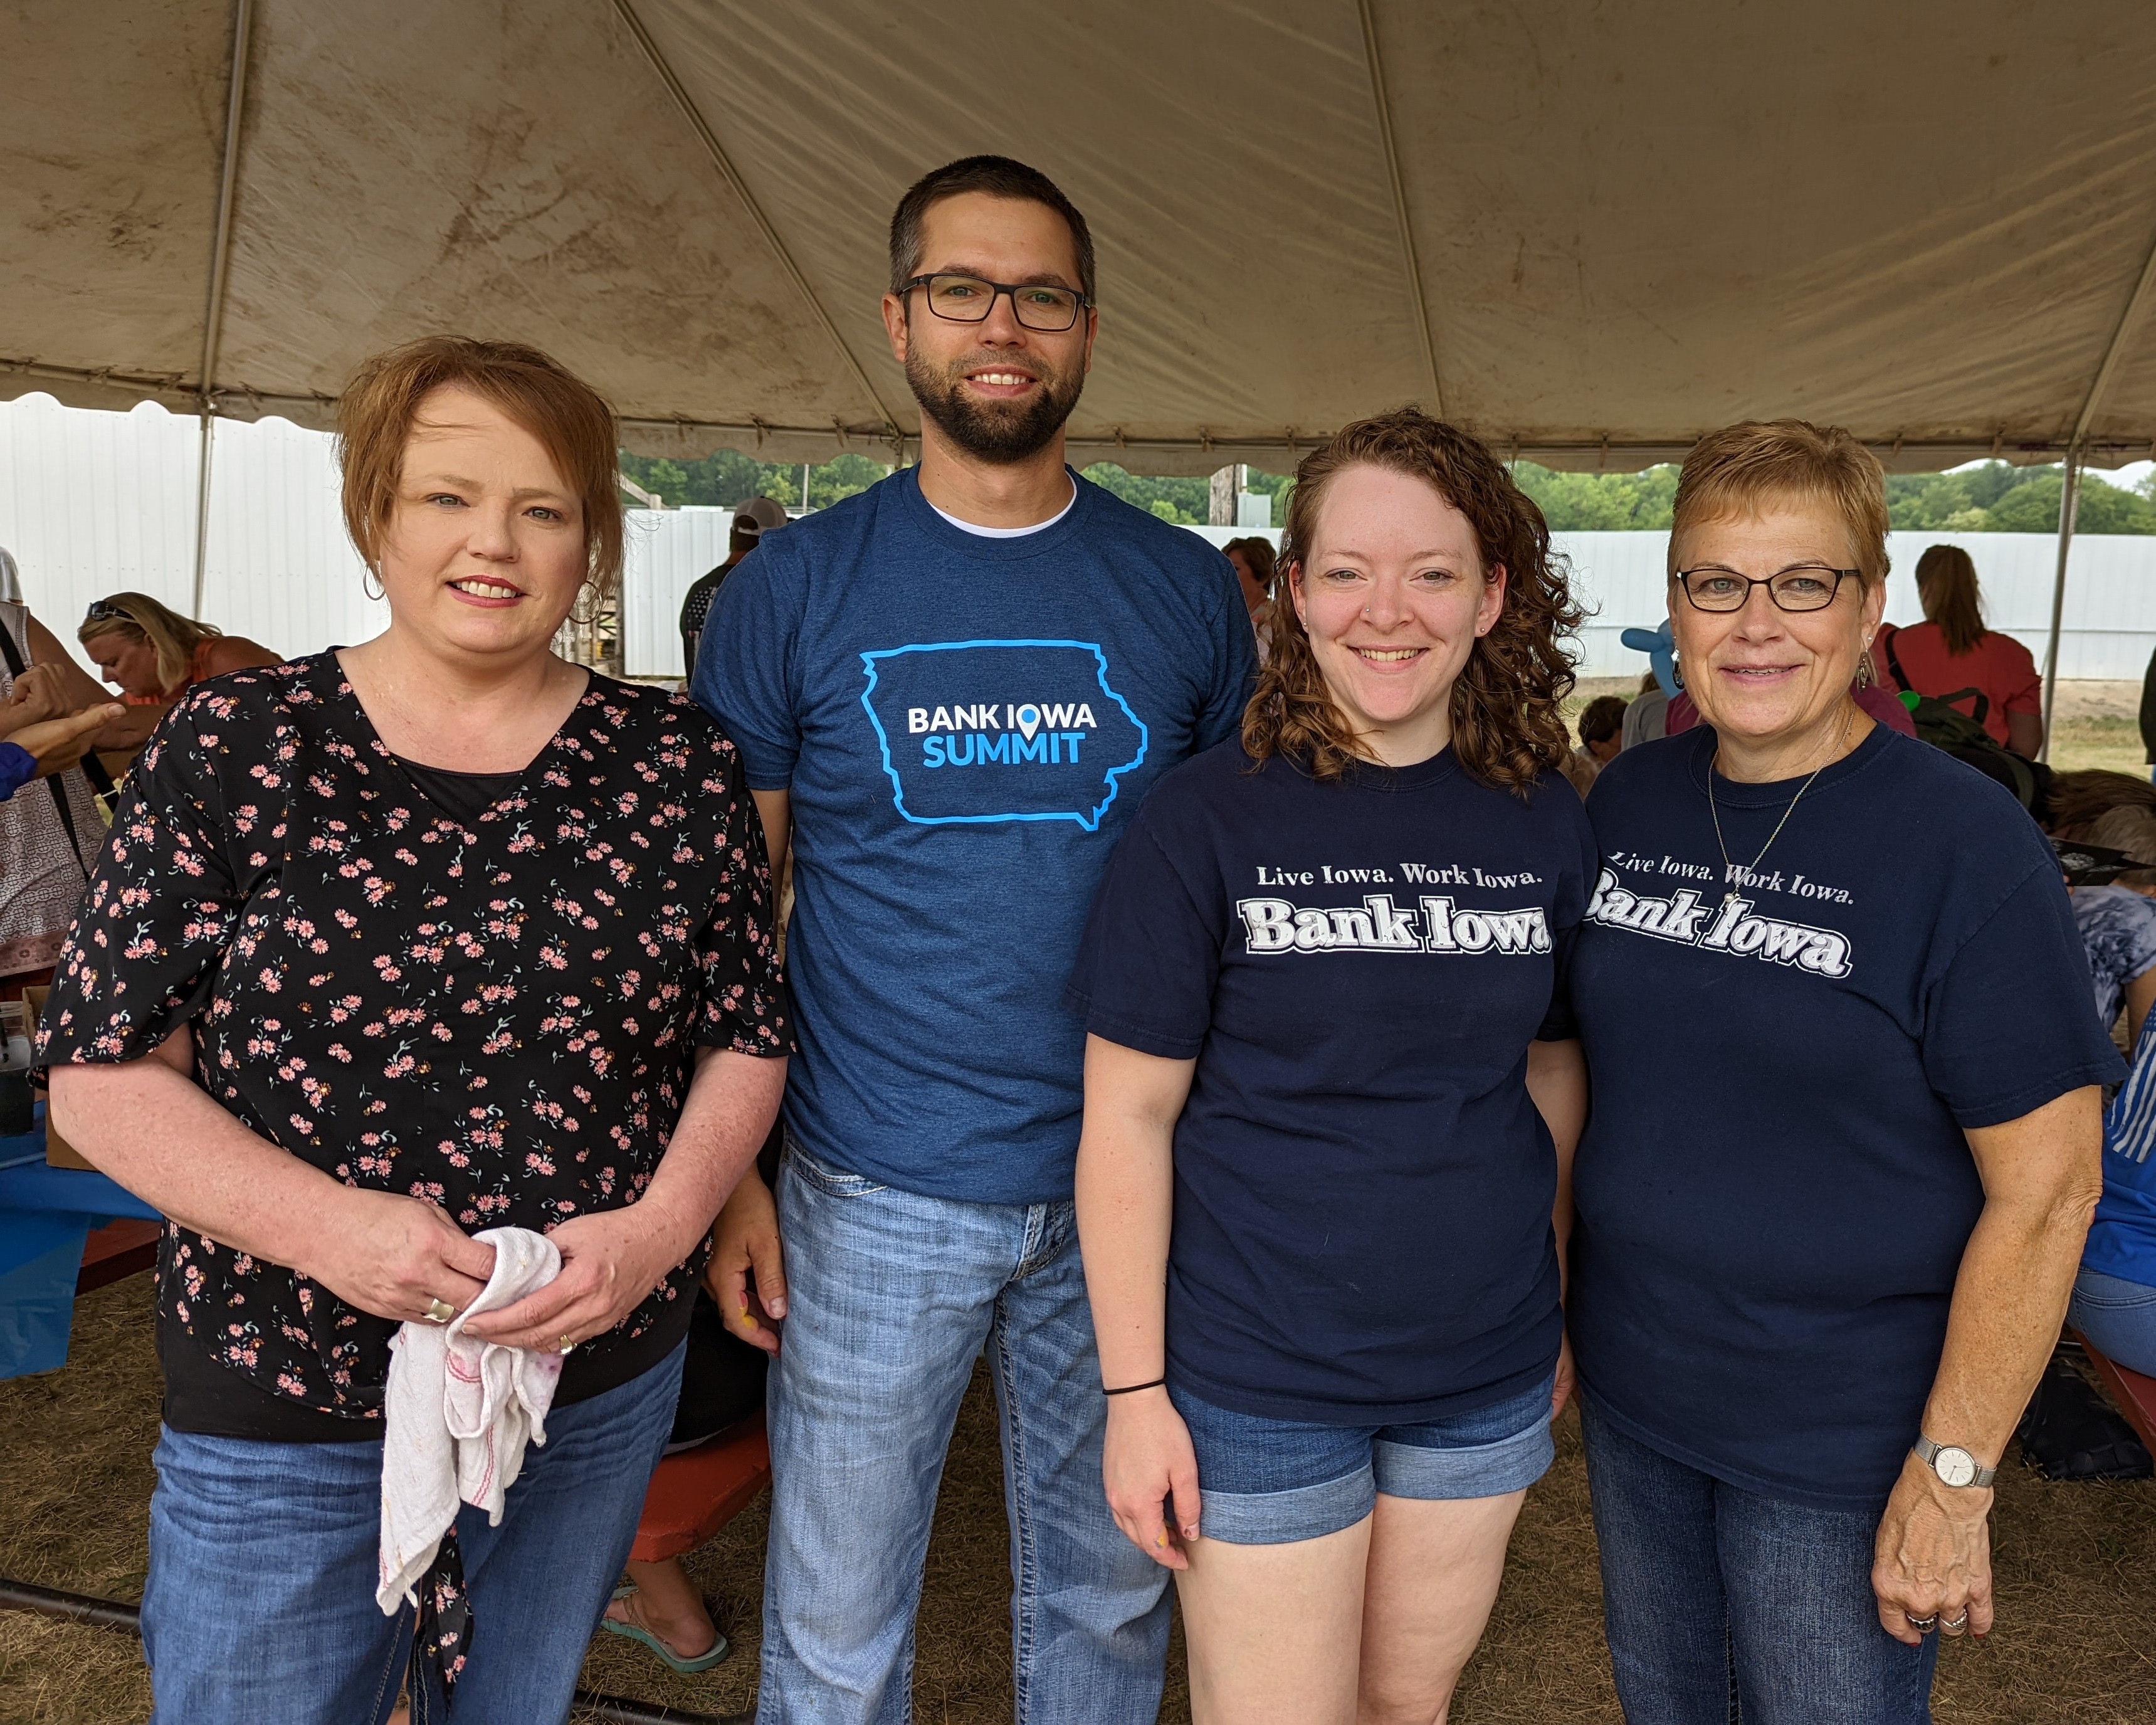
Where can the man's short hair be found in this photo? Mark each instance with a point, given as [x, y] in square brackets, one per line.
[1601, 718]
[997, 176]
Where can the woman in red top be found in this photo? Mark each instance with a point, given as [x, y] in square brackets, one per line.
[1951, 651]
[153, 656]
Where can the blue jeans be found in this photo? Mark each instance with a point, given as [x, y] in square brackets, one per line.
[1267, 1482]
[891, 1297]
[1721, 1605]
[260, 1603]
[2118, 1317]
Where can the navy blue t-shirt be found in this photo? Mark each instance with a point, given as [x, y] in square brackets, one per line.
[1774, 1189]
[965, 725]
[1362, 1187]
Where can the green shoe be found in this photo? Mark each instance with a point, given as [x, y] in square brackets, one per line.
[667, 1656]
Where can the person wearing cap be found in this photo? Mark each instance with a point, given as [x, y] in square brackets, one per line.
[752, 521]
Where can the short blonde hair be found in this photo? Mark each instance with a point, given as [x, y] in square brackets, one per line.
[141, 620]
[571, 419]
[1743, 468]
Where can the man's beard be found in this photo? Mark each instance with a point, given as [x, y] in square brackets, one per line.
[1002, 432]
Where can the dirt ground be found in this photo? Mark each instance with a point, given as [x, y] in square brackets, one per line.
[2076, 1567]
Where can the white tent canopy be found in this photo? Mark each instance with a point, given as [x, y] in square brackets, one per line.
[1591, 232]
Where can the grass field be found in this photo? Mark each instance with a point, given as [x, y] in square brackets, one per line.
[2076, 1567]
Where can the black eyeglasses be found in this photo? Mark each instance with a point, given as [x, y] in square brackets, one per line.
[968, 299]
[100, 610]
[1803, 586]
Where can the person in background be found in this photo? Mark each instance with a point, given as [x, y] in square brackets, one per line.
[49, 836]
[1601, 731]
[392, 945]
[2114, 1303]
[1951, 651]
[1846, 1134]
[754, 519]
[2148, 716]
[1646, 715]
[153, 656]
[1323, 1188]
[952, 690]
[1253, 559]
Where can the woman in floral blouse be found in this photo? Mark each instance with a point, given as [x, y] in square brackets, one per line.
[392, 945]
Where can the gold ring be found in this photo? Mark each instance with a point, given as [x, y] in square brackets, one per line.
[439, 1311]
[566, 1344]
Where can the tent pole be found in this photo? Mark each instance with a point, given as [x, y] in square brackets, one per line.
[2069, 497]
[1385, 113]
[235, 103]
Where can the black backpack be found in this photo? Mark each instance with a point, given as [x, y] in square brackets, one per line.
[1941, 722]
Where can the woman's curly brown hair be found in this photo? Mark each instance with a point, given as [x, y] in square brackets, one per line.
[1506, 726]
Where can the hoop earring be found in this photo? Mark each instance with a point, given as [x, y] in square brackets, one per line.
[371, 587]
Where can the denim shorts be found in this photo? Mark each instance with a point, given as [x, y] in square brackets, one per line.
[1266, 1481]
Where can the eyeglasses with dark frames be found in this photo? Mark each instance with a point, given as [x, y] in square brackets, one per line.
[968, 299]
[100, 610]
[1802, 587]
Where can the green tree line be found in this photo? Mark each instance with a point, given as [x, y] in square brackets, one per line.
[1992, 498]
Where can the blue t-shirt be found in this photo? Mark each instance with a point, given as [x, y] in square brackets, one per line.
[1774, 1189]
[18, 768]
[2118, 931]
[1363, 1188]
[965, 725]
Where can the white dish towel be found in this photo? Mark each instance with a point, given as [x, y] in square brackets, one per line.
[456, 1414]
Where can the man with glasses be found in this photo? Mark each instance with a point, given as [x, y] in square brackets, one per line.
[951, 691]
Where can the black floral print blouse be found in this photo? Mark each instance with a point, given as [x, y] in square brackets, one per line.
[499, 1015]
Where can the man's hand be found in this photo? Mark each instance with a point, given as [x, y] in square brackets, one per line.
[1932, 1556]
[747, 1275]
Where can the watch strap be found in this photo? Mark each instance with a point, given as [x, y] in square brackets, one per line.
[1927, 1452]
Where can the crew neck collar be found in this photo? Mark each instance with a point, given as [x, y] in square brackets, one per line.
[1048, 535]
[1775, 794]
[1375, 776]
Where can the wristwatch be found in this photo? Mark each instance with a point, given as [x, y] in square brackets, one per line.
[1954, 1465]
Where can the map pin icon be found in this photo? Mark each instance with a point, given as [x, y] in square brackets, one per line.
[1029, 719]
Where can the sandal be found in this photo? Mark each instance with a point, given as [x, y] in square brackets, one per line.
[668, 1657]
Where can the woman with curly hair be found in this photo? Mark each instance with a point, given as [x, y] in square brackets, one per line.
[1330, 1095]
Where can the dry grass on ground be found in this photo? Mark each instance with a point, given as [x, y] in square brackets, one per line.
[2076, 1567]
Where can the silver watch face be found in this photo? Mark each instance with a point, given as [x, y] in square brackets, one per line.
[1955, 1466]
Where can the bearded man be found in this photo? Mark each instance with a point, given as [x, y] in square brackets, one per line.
[951, 691]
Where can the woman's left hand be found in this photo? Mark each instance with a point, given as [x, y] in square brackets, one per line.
[1932, 1558]
[611, 1261]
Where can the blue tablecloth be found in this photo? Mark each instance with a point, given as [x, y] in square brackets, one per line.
[45, 1215]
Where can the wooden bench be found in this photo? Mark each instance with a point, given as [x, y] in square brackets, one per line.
[697, 1492]
[120, 1249]
[2134, 1395]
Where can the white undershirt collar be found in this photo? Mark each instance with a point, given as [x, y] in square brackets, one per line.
[982, 532]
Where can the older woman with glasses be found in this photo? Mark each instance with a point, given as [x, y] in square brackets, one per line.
[1845, 1143]
[391, 946]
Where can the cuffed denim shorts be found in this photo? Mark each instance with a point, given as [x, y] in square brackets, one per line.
[1266, 1481]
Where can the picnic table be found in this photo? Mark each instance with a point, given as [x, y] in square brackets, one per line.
[62, 1231]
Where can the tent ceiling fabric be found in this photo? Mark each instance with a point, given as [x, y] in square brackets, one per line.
[1631, 224]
